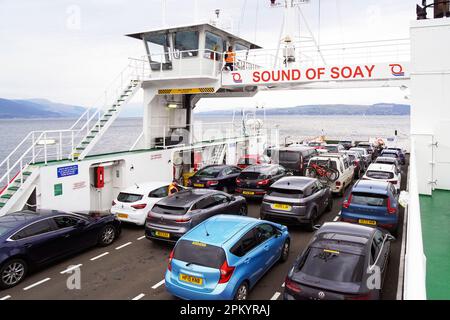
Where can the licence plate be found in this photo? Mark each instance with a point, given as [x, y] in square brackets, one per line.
[162, 234]
[199, 185]
[122, 215]
[369, 222]
[284, 207]
[195, 280]
[250, 193]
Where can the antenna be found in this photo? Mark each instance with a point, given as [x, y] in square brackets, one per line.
[137, 186]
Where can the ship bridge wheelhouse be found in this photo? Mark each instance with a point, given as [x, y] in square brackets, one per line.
[196, 50]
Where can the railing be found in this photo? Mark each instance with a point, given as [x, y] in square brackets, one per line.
[307, 54]
[415, 259]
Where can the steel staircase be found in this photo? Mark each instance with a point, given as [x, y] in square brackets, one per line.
[218, 154]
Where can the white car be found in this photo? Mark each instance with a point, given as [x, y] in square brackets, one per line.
[133, 203]
[384, 172]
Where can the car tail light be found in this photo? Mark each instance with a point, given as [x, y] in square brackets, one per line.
[264, 182]
[225, 272]
[346, 203]
[169, 265]
[292, 285]
[390, 209]
[149, 215]
[393, 181]
[212, 183]
[113, 203]
[338, 183]
[358, 297]
[139, 206]
[238, 181]
[182, 220]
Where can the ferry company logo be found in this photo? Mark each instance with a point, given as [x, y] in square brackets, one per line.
[397, 70]
[237, 78]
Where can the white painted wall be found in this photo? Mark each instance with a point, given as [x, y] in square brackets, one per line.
[430, 100]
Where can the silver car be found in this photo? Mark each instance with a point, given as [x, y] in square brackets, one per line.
[171, 217]
[296, 200]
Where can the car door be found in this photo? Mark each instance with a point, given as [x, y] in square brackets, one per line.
[40, 241]
[74, 233]
[268, 244]
[223, 205]
[320, 196]
[380, 252]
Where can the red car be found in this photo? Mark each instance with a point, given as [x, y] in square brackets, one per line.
[251, 159]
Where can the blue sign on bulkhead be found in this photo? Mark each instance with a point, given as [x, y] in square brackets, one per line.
[67, 171]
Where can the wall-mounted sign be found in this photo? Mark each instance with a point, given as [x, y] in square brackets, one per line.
[67, 171]
[186, 91]
[79, 185]
[58, 189]
[156, 156]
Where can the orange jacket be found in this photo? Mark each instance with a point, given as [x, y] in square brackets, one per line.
[230, 57]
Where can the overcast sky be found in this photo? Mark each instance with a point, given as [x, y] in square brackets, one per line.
[68, 51]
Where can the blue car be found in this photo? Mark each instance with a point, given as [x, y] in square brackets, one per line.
[224, 257]
[372, 203]
[29, 240]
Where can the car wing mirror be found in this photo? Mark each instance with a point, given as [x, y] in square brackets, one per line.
[81, 223]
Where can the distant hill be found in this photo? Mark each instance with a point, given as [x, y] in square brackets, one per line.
[335, 109]
[37, 108]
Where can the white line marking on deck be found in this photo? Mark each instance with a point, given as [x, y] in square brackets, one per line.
[139, 297]
[158, 284]
[275, 296]
[124, 245]
[36, 284]
[71, 268]
[336, 219]
[5, 297]
[99, 256]
[282, 285]
[140, 238]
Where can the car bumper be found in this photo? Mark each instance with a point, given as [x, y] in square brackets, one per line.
[135, 217]
[388, 224]
[251, 193]
[286, 218]
[150, 233]
[222, 291]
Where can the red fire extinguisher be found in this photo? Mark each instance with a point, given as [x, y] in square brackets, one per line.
[99, 177]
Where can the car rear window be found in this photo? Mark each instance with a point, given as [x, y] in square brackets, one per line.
[251, 175]
[332, 265]
[285, 193]
[249, 161]
[289, 156]
[324, 163]
[199, 253]
[129, 197]
[389, 155]
[367, 199]
[332, 148]
[161, 209]
[385, 161]
[210, 172]
[383, 175]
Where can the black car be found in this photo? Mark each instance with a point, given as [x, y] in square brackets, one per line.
[296, 158]
[29, 239]
[347, 144]
[217, 177]
[254, 181]
[296, 200]
[173, 216]
[343, 261]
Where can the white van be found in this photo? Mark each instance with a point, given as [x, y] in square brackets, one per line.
[342, 164]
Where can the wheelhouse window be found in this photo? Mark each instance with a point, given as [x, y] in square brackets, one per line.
[214, 45]
[157, 46]
[241, 47]
[186, 44]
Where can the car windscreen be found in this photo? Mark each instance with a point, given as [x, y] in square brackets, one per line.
[383, 175]
[324, 163]
[289, 156]
[129, 197]
[285, 193]
[249, 161]
[332, 265]
[369, 199]
[209, 172]
[199, 253]
[162, 209]
[251, 175]
[332, 148]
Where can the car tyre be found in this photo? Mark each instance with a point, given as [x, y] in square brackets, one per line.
[242, 292]
[12, 272]
[107, 235]
[285, 251]
[243, 211]
[312, 221]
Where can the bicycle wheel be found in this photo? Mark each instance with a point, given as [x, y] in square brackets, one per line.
[311, 172]
[332, 174]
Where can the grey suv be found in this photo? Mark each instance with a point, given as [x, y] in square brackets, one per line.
[173, 216]
[296, 200]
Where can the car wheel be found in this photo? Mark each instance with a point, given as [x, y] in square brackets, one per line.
[285, 251]
[312, 221]
[12, 272]
[107, 235]
[243, 210]
[242, 292]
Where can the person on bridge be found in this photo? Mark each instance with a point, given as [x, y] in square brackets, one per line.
[173, 187]
[230, 59]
